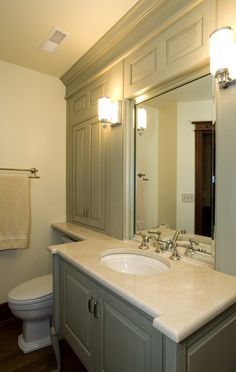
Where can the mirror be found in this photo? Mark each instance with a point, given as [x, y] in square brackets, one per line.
[174, 160]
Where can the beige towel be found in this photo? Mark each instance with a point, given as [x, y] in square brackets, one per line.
[14, 212]
[140, 204]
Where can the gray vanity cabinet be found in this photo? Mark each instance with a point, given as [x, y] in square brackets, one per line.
[109, 334]
[105, 333]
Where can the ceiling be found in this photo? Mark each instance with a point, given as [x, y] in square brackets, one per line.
[25, 24]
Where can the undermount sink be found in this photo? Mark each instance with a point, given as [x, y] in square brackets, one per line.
[134, 262]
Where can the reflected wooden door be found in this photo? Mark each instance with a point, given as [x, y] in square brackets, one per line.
[203, 177]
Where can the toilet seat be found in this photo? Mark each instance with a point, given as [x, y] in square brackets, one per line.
[32, 290]
[31, 304]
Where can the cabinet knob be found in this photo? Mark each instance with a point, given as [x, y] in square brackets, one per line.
[85, 212]
[96, 310]
[91, 305]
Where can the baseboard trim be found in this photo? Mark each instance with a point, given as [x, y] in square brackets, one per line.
[5, 312]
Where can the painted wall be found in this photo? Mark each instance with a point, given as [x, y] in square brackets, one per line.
[33, 134]
[225, 181]
[187, 112]
[147, 163]
[225, 160]
[167, 165]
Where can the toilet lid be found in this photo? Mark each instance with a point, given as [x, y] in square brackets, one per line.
[32, 289]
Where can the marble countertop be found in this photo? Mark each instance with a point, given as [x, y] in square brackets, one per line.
[180, 300]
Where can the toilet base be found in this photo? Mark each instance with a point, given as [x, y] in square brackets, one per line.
[27, 347]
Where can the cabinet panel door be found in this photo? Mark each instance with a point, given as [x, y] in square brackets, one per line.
[84, 103]
[97, 175]
[126, 346]
[78, 106]
[88, 168]
[177, 48]
[80, 165]
[215, 351]
[80, 326]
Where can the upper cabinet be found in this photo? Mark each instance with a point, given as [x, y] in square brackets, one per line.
[84, 103]
[86, 158]
[181, 46]
[88, 174]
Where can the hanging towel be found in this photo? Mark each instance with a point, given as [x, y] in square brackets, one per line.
[14, 212]
[140, 204]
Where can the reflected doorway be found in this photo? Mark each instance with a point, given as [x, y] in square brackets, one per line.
[204, 141]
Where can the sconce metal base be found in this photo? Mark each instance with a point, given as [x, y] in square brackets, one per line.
[140, 131]
[104, 123]
[223, 79]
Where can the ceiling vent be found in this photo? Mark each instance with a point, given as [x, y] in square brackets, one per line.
[54, 39]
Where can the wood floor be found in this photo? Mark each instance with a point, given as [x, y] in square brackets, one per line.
[13, 360]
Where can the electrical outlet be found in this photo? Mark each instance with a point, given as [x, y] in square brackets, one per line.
[187, 198]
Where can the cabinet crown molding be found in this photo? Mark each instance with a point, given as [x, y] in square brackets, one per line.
[128, 32]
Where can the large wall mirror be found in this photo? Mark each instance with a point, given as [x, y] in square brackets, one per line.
[174, 160]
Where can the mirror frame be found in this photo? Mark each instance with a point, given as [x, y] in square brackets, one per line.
[129, 112]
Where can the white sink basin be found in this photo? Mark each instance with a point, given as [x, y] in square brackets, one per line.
[134, 262]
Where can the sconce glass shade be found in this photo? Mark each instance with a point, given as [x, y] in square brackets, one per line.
[221, 45]
[104, 110]
[232, 67]
[141, 120]
[109, 112]
[115, 113]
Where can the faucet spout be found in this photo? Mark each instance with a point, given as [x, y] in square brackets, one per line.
[175, 254]
[176, 235]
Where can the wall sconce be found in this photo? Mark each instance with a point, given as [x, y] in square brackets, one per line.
[141, 120]
[109, 112]
[223, 56]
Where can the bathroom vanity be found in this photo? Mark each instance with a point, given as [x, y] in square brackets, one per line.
[181, 320]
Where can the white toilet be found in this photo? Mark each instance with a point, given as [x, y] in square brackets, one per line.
[32, 302]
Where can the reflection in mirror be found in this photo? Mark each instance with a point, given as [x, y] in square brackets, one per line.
[174, 161]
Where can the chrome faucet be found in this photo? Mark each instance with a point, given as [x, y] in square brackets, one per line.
[144, 242]
[175, 254]
[156, 243]
[164, 245]
[190, 249]
[147, 238]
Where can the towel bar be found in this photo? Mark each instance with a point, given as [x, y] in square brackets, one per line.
[33, 171]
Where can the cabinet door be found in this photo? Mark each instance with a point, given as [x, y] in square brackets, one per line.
[88, 173]
[80, 161]
[96, 208]
[179, 47]
[129, 343]
[216, 350]
[80, 324]
[83, 104]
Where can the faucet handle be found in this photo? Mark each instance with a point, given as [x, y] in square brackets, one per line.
[190, 249]
[158, 233]
[193, 241]
[144, 242]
